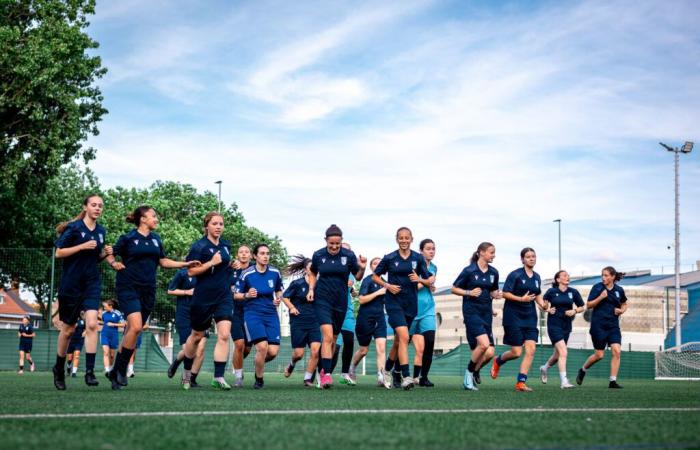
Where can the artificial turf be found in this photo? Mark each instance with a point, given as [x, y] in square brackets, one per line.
[33, 393]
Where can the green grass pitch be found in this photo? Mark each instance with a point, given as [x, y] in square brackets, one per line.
[645, 414]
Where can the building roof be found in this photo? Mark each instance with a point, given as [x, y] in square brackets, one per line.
[644, 278]
[13, 306]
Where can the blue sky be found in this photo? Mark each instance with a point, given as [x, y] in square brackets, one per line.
[466, 121]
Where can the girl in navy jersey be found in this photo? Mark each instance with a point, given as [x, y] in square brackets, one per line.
[609, 302]
[241, 347]
[405, 268]
[522, 290]
[26, 335]
[141, 252]
[304, 326]
[564, 303]
[372, 324]
[477, 284]
[211, 298]
[328, 289]
[81, 243]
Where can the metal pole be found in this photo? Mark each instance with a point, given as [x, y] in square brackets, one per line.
[558, 221]
[219, 183]
[676, 157]
[53, 271]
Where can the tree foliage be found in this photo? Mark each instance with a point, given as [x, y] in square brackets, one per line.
[49, 103]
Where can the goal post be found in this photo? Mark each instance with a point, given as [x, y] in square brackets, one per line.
[679, 363]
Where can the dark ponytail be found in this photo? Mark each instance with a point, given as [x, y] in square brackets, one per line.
[135, 216]
[555, 283]
[617, 276]
[61, 227]
[481, 248]
[297, 265]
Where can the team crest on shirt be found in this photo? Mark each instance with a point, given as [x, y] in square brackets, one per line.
[155, 242]
[343, 260]
[323, 260]
[396, 264]
[617, 294]
[537, 284]
[414, 264]
[303, 289]
[82, 234]
[136, 242]
[102, 238]
[492, 278]
[270, 283]
[571, 295]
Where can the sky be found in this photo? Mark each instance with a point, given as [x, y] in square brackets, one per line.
[466, 121]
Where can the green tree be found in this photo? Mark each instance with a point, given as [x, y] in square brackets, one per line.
[49, 103]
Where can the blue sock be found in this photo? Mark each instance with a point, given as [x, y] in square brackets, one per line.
[326, 364]
[405, 371]
[90, 362]
[522, 377]
[389, 365]
[219, 368]
[499, 361]
[471, 366]
[187, 363]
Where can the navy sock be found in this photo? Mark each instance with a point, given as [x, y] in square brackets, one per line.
[389, 365]
[405, 371]
[522, 377]
[122, 360]
[326, 364]
[416, 371]
[471, 366]
[90, 362]
[193, 377]
[219, 368]
[60, 362]
[187, 362]
[397, 365]
[499, 361]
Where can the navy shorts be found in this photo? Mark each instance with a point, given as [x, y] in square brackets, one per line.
[70, 306]
[237, 327]
[201, 314]
[398, 318]
[25, 346]
[603, 337]
[184, 330]
[305, 334]
[110, 339]
[516, 336]
[368, 327]
[262, 327]
[478, 324]
[558, 329]
[133, 299]
[327, 315]
[75, 346]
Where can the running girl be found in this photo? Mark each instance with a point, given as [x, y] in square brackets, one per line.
[26, 338]
[422, 329]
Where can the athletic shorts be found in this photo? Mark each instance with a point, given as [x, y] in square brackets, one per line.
[69, 307]
[478, 324]
[133, 299]
[75, 346]
[303, 335]
[25, 346]
[397, 318]
[184, 330]
[516, 336]
[262, 327]
[237, 327]
[603, 337]
[201, 314]
[368, 327]
[558, 329]
[326, 315]
[420, 326]
[110, 339]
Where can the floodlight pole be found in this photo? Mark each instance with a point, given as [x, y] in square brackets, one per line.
[219, 183]
[558, 221]
[677, 241]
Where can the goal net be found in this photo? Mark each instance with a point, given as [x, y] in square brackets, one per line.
[679, 363]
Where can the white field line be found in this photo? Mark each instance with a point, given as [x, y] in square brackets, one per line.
[302, 412]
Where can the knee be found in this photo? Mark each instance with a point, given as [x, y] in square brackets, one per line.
[516, 351]
[599, 354]
[90, 326]
[483, 346]
[616, 353]
[272, 352]
[562, 353]
[239, 345]
[530, 349]
[298, 353]
[490, 351]
[223, 337]
[363, 351]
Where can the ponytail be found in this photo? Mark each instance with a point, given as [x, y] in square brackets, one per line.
[135, 216]
[481, 248]
[61, 227]
[297, 265]
[617, 276]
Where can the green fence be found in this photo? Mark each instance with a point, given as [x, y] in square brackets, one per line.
[149, 358]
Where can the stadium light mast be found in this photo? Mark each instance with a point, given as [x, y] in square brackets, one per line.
[558, 221]
[687, 148]
[219, 183]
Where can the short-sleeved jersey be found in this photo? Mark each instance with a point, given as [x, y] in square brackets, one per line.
[77, 336]
[235, 276]
[265, 283]
[183, 281]
[296, 293]
[398, 269]
[111, 317]
[80, 267]
[141, 256]
[563, 300]
[376, 306]
[214, 284]
[604, 312]
[332, 273]
[519, 313]
[26, 329]
[473, 277]
[426, 302]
